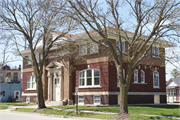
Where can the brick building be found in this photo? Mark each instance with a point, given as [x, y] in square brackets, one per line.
[95, 75]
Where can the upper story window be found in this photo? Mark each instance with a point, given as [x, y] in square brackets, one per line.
[136, 76]
[155, 51]
[15, 76]
[37, 57]
[31, 83]
[89, 77]
[83, 49]
[142, 76]
[29, 59]
[123, 46]
[123, 77]
[93, 48]
[156, 79]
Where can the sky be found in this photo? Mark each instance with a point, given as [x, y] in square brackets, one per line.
[125, 14]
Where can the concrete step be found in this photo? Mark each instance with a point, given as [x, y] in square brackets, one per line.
[52, 103]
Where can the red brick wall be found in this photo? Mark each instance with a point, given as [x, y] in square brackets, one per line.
[24, 80]
[104, 79]
[148, 87]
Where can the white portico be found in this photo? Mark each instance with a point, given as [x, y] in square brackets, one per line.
[55, 81]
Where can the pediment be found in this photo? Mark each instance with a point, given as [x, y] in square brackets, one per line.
[54, 65]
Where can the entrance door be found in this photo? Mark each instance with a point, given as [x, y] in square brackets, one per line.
[177, 95]
[56, 89]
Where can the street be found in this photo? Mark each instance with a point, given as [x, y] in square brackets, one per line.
[31, 116]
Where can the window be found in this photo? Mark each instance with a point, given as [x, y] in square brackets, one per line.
[1, 77]
[31, 83]
[123, 76]
[136, 76]
[97, 100]
[27, 99]
[80, 99]
[16, 95]
[83, 49]
[29, 60]
[142, 76]
[15, 76]
[89, 77]
[8, 75]
[37, 57]
[155, 51]
[123, 46]
[156, 79]
[93, 48]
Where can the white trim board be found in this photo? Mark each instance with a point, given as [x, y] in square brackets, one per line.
[29, 94]
[117, 93]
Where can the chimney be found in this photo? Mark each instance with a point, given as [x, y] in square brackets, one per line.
[19, 67]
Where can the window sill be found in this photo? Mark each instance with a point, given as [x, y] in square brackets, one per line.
[30, 89]
[155, 56]
[89, 54]
[139, 83]
[90, 87]
[156, 87]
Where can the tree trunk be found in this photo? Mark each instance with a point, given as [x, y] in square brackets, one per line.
[123, 99]
[40, 94]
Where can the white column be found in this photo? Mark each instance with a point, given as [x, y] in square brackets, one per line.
[49, 86]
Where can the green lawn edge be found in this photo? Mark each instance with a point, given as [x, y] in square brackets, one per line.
[14, 104]
[3, 107]
[164, 110]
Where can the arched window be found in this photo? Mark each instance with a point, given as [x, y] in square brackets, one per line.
[89, 77]
[31, 83]
[136, 76]
[156, 79]
[142, 76]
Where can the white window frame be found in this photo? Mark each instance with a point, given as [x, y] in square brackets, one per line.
[28, 99]
[92, 78]
[80, 99]
[97, 100]
[123, 76]
[154, 80]
[142, 76]
[18, 94]
[94, 48]
[153, 51]
[83, 52]
[135, 76]
[123, 46]
[31, 82]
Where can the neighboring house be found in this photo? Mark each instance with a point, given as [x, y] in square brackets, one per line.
[10, 88]
[95, 75]
[173, 90]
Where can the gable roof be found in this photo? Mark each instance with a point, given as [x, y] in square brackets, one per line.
[175, 80]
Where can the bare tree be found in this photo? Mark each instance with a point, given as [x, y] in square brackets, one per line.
[161, 15]
[35, 21]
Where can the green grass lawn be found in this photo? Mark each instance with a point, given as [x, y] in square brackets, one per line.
[3, 107]
[80, 114]
[169, 110]
[25, 109]
[13, 103]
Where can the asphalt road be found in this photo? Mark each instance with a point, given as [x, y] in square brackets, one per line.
[32, 116]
